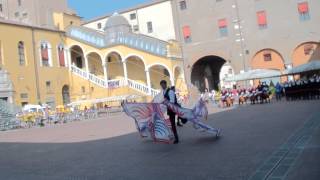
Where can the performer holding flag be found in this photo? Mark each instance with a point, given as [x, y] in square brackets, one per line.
[170, 96]
[151, 121]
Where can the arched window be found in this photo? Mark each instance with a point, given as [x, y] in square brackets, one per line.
[22, 59]
[45, 57]
[61, 56]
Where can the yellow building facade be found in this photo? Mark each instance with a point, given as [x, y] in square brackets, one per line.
[73, 63]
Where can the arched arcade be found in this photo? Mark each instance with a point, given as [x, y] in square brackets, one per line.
[205, 72]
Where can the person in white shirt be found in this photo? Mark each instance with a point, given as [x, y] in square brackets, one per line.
[213, 95]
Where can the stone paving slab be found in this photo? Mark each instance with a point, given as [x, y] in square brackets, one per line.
[282, 160]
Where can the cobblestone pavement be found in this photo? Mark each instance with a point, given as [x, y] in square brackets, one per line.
[272, 141]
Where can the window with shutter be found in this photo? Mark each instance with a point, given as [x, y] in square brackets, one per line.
[303, 10]
[44, 54]
[262, 19]
[186, 34]
[223, 27]
[61, 56]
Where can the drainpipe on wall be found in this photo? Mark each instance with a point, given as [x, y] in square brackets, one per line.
[36, 72]
[242, 45]
[241, 36]
[180, 40]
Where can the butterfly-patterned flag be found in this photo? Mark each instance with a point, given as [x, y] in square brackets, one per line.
[150, 121]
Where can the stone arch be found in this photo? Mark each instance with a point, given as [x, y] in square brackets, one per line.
[136, 68]
[95, 63]
[77, 56]
[94, 52]
[158, 72]
[137, 56]
[267, 59]
[114, 51]
[205, 72]
[160, 64]
[114, 64]
[305, 52]
[74, 45]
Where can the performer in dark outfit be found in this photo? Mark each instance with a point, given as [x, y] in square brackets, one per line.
[170, 95]
[173, 88]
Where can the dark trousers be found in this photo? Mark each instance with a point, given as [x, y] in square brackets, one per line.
[278, 96]
[172, 118]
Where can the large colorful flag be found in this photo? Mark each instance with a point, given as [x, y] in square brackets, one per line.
[195, 115]
[150, 121]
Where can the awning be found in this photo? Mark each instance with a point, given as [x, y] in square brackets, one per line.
[254, 74]
[311, 66]
[105, 100]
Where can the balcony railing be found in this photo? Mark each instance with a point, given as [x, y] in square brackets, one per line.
[138, 86]
[97, 80]
[117, 83]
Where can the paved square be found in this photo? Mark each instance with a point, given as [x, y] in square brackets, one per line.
[272, 141]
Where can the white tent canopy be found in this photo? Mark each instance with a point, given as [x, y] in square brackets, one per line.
[105, 100]
[255, 74]
[311, 66]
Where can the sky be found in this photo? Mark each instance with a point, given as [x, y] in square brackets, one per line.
[89, 9]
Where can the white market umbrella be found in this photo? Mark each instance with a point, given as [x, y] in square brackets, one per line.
[105, 100]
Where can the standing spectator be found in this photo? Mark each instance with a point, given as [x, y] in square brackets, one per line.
[272, 90]
[205, 97]
[234, 92]
[46, 114]
[279, 90]
[212, 96]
